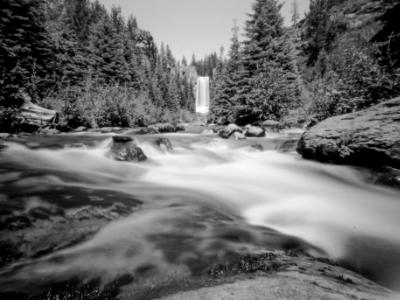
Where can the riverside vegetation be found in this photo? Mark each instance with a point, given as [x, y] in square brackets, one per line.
[140, 215]
[97, 69]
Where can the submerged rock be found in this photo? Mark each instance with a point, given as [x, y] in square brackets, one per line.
[124, 148]
[370, 137]
[227, 131]
[254, 131]
[164, 127]
[76, 146]
[237, 136]
[146, 130]
[257, 147]
[164, 143]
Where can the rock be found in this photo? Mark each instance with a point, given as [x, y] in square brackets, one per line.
[370, 137]
[257, 147]
[271, 125]
[238, 136]
[122, 139]
[48, 131]
[180, 127]
[80, 129]
[76, 146]
[2, 145]
[227, 131]
[207, 132]
[4, 135]
[254, 131]
[288, 146]
[312, 122]
[106, 130]
[124, 148]
[164, 127]
[164, 143]
[146, 130]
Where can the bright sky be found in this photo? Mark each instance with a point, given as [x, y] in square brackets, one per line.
[193, 26]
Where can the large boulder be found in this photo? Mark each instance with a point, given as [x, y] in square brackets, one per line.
[370, 137]
[124, 148]
[227, 131]
[254, 131]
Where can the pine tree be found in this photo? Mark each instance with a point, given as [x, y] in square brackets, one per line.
[265, 52]
[108, 51]
[26, 51]
[226, 83]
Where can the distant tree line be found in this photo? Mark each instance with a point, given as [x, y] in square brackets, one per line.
[92, 65]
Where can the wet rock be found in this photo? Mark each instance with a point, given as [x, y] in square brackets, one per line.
[271, 125]
[76, 146]
[180, 127]
[146, 130]
[254, 131]
[122, 139]
[106, 129]
[312, 122]
[288, 146]
[257, 147]
[4, 135]
[227, 131]
[164, 143]
[124, 148]
[370, 137]
[80, 129]
[237, 136]
[164, 127]
[48, 131]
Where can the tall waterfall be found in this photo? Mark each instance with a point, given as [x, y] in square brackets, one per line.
[203, 95]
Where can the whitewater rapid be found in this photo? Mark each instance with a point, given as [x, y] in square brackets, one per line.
[330, 207]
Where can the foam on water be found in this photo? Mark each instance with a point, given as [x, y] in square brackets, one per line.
[325, 205]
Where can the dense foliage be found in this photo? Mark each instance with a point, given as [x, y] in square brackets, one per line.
[255, 84]
[90, 64]
[350, 66]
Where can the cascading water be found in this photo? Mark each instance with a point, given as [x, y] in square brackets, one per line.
[203, 95]
[205, 199]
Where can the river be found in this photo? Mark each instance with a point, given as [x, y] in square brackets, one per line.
[182, 210]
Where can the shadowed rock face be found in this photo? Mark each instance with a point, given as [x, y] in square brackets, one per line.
[124, 148]
[229, 130]
[369, 137]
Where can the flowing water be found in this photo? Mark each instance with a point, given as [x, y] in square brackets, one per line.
[202, 202]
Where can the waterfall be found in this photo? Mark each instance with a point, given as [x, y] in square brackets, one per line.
[203, 95]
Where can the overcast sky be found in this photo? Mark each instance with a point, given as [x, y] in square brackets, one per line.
[192, 26]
